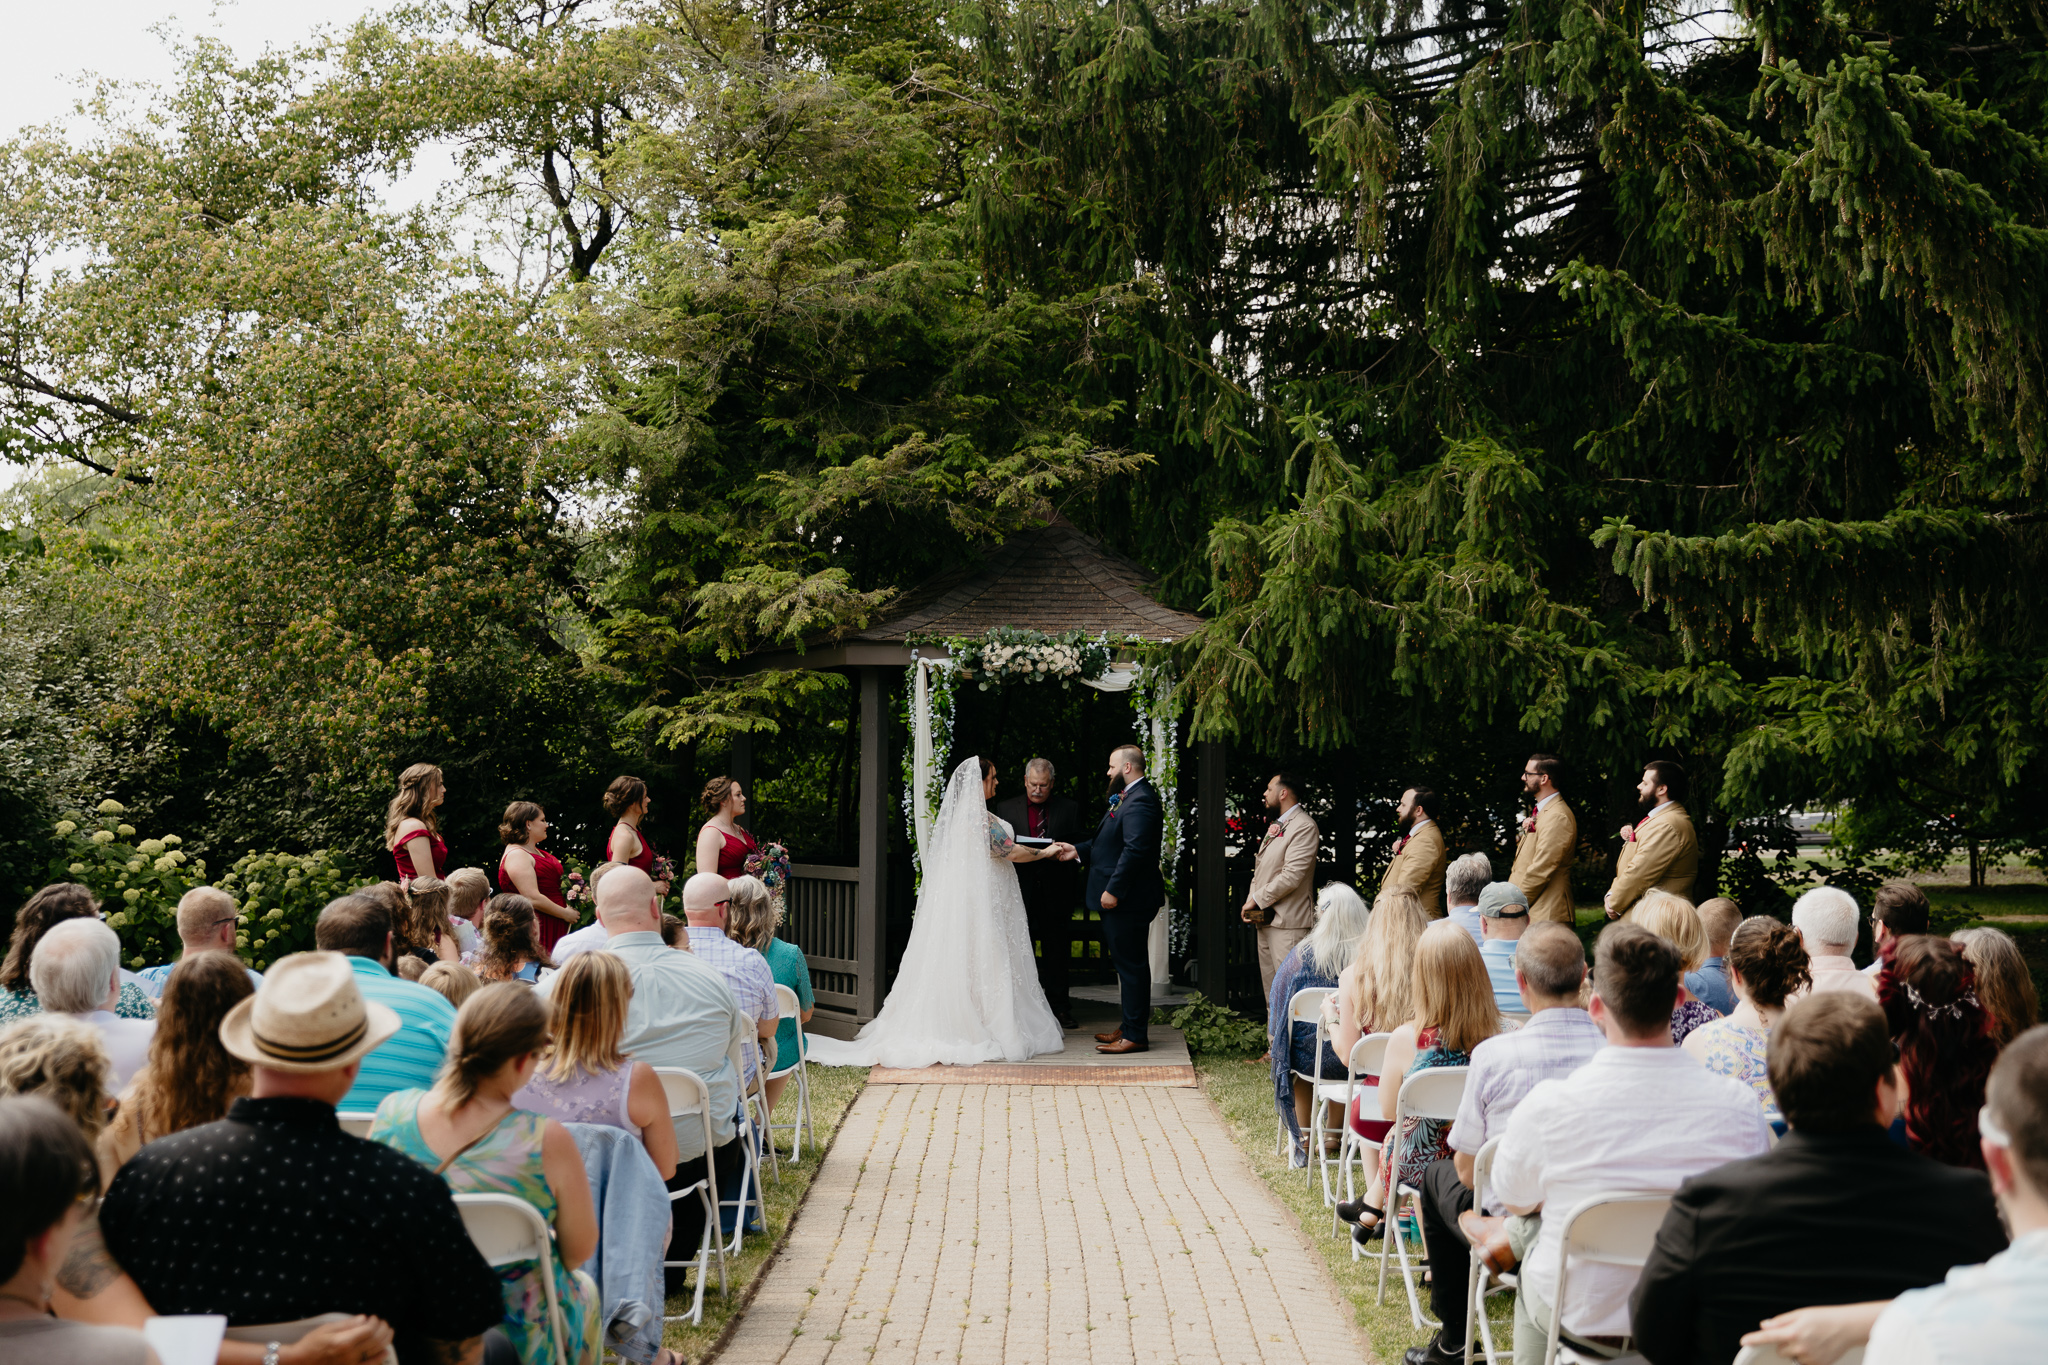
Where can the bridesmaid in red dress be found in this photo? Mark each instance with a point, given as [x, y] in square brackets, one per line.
[626, 801]
[524, 870]
[722, 844]
[412, 832]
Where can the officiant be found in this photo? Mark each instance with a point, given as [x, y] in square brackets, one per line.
[1052, 890]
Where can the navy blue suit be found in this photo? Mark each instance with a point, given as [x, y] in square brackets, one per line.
[1123, 860]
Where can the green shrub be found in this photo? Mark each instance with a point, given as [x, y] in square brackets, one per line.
[139, 881]
[1214, 1028]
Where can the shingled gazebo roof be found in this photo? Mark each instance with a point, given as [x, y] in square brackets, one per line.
[1053, 579]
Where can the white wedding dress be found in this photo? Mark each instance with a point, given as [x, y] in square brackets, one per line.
[968, 988]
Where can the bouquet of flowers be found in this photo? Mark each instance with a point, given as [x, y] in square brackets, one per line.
[574, 888]
[770, 863]
[664, 871]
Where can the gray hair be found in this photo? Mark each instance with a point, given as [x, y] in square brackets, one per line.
[1465, 878]
[1040, 765]
[1341, 918]
[73, 968]
[1826, 918]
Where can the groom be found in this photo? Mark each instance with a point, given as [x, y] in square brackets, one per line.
[1124, 884]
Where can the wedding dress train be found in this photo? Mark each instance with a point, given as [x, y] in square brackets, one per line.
[968, 988]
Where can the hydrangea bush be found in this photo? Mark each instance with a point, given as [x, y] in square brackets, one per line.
[139, 882]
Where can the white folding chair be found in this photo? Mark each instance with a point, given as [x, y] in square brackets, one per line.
[1306, 1007]
[750, 1175]
[1607, 1229]
[355, 1123]
[1368, 1054]
[1510, 1020]
[1476, 1282]
[689, 1105]
[1770, 1355]
[1431, 1094]
[507, 1229]
[799, 1127]
[756, 1097]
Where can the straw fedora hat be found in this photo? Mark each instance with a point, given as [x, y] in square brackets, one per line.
[308, 1015]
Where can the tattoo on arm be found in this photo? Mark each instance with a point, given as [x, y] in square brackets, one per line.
[88, 1268]
[468, 1352]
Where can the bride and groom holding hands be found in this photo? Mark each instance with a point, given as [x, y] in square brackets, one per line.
[967, 990]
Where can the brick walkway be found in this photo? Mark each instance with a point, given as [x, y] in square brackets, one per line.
[990, 1223]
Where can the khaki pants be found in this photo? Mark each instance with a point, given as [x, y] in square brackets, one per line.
[1274, 946]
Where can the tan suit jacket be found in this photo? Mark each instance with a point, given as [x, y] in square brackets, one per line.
[1419, 866]
[1543, 862]
[1664, 854]
[1284, 879]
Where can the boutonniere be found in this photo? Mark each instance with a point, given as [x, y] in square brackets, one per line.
[1400, 844]
[1274, 831]
[1116, 799]
[1628, 835]
[1529, 825]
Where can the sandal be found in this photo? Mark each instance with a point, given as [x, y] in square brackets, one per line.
[1367, 1234]
[1351, 1210]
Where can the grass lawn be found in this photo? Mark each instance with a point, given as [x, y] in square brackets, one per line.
[1245, 1095]
[832, 1091]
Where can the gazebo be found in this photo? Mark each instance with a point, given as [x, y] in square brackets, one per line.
[1053, 579]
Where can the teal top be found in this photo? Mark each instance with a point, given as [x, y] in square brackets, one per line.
[786, 964]
[409, 1058]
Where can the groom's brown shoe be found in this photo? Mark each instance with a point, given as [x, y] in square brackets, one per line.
[1124, 1045]
[1115, 1035]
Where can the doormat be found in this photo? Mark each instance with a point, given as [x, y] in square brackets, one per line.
[1001, 1073]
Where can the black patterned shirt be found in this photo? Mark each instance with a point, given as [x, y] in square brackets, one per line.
[274, 1213]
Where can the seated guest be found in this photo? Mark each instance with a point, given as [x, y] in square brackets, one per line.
[585, 1078]
[2005, 987]
[1503, 919]
[466, 1130]
[1815, 1219]
[1945, 1041]
[1372, 997]
[1673, 919]
[1312, 964]
[39, 914]
[1767, 967]
[48, 1182]
[1560, 1037]
[755, 914]
[1464, 879]
[77, 971]
[675, 932]
[1998, 1310]
[190, 1078]
[1826, 920]
[1898, 909]
[427, 930]
[359, 928]
[682, 1014]
[706, 903]
[1641, 1115]
[1454, 1013]
[512, 950]
[1719, 917]
[57, 1058]
[411, 968]
[279, 1214]
[206, 924]
[452, 981]
[468, 889]
[591, 935]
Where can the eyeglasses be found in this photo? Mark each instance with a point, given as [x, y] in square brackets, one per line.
[1988, 1126]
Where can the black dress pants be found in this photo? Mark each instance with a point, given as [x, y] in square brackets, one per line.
[1444, 1197]
[1054, 930]
[688, 1212]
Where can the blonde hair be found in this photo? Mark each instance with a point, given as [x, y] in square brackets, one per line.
[427, 899]
[587, 1013]
[494, 1026]
[201, 910]
[468, 888]
[1451, 989]
[454, 981]
[62, 1060]
[1386, 959]
[2004, 985]
[1673, 919]
[411, 802]
[751, 913]
[411, 967]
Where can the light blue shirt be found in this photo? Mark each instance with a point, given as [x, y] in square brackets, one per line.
[1466, 917]
[1710, 984]
[1499, 956]
[1994, 1311]
[683, 1014]
[152, 979]
[410, 1058]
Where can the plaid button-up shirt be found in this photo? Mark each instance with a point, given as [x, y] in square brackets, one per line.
[1553, 1044]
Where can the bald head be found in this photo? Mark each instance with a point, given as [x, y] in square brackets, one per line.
[704, 899]
[626, 903]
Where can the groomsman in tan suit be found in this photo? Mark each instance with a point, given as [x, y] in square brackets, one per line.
[1284, 879]
[1419, 853]
[1549, 838]
[1661, 849]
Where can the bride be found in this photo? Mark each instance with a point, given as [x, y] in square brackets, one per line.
[968, 988]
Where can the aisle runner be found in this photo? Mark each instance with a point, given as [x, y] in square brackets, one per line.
[1091, 1225]
[998, 1073]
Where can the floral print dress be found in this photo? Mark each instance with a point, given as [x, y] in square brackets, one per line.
[508, 1161]
[1427, 1140]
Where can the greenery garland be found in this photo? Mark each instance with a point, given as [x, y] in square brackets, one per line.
[1010, 654]
[940, 683]
[1157, 703]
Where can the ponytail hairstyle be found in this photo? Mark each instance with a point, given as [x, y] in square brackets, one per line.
[494, 1026]
[411, 802]
[1771, 961]
[1946, 1044]
[623, 794]
[510, 937]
